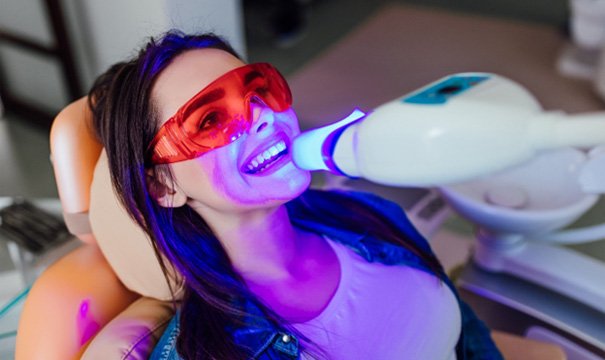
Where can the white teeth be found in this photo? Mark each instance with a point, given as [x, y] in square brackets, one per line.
[260, 159]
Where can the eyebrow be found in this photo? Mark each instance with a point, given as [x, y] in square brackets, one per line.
[251, 76]
[206, 98]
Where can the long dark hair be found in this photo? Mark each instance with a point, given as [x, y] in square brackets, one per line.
[126, 121]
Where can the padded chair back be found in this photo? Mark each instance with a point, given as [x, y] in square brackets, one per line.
[124, 244]
[109, 295]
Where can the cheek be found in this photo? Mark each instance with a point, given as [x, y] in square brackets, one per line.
[210, 176]
[192, 176]
[289, 117]
[300, 181]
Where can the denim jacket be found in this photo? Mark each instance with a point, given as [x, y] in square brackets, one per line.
[268, 342]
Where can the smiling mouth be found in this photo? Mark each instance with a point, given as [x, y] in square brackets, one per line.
[266, 159]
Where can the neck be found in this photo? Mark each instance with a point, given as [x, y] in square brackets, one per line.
[293, 272]
[262, 244]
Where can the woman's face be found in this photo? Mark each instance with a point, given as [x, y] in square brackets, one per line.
[222, 179]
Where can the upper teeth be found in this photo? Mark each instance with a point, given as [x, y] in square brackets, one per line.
[271, 152]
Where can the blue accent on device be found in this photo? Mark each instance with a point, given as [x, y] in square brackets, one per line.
[440, 93]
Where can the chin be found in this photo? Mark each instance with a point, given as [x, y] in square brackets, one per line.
[291, 187]
[300, 182]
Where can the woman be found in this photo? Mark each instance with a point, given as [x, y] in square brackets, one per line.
[198, 147]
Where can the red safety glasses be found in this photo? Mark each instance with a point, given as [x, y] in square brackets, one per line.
[219, 114]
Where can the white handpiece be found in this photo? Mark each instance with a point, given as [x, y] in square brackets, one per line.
[592, 176]
[460, 127]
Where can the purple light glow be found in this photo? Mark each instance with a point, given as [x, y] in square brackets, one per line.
[87, 325]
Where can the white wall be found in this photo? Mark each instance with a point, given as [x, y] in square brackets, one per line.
[225, 18]
[30, 77]
[104, 32]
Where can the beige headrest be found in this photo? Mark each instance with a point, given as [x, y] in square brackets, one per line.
[126, 247]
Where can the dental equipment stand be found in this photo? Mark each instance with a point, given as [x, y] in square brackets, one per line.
[517, 211]
[536, 287]
[562, 270]
[556, 293]
[509, 303]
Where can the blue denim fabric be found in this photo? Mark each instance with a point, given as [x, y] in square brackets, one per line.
[166, 347]
[268, 342]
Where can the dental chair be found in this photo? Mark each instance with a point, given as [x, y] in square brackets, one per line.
[110, 288]
[108, 299]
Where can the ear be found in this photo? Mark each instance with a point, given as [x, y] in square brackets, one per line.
[164, 190]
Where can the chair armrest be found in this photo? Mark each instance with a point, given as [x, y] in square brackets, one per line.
[68, 304]
[515, 347]
[134, 333]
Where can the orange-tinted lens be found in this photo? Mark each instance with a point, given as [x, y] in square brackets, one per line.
[220, 113]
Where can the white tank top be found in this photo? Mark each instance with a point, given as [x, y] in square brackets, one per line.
[385, 312]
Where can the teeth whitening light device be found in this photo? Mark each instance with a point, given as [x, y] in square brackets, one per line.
[498, 158]
[457, 128]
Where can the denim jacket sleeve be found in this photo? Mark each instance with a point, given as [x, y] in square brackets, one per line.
[265, 342]
[475, 341]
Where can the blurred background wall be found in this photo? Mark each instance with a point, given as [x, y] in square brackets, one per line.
[100, 33]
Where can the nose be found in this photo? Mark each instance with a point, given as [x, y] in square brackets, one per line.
[262, 117]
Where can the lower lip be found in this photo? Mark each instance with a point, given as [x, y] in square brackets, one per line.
[275, 166]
